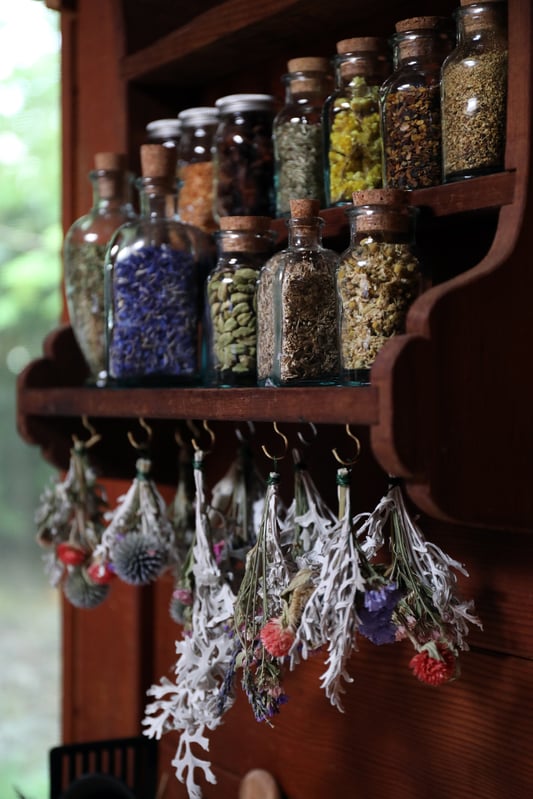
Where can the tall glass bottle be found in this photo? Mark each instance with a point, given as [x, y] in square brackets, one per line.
[297, 299]
[84, 254]
[351, 119]
[298, 133]
[377, 280]
[244, 244]
[244, 157]
[474, 92]
[410, 104]
[152, 286]
[195, 167]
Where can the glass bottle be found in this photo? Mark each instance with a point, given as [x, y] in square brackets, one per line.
[410, 104]
[244, 244]
[244, 157]
[195, 167]
[305, 347]
[378, 278]
[474, 92]
[353, 150]
[298, 133]
[84, 254]
[152, 287]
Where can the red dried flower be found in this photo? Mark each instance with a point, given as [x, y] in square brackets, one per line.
[434, 670]
[70, 555]
[100, 572]
[276, 638]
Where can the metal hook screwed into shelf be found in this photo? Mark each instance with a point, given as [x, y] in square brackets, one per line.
[276, 458]
[212, 438]
[135, 443]
[357, 450]
[94, 436]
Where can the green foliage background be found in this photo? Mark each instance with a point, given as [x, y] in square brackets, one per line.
[30, 306]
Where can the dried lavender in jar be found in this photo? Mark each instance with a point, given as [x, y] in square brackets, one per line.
[377, 280]
[84, 255]
[152, 287]
[305, 346]
[244, 157]
[474, 92]
[410, 104]
[244, 244]
[298, 133]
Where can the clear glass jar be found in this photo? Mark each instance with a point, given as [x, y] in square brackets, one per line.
[244, 244]
[298, 133]
[244, 156]
[152, 287]
[351, 119]
[474, 92]
[303, 297]
[84, 253]
[195, 167]
[378, 278]
[410, 104]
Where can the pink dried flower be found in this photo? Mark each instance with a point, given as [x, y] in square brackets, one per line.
[277, 638]
[434, 665]
[183, 595]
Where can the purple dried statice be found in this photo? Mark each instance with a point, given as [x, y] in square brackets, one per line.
[375, 616]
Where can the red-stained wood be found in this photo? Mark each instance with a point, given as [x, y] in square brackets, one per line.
[449, 409]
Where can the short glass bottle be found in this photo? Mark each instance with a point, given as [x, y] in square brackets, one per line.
[243, 156]
[474, 92]
[152, 287]
[298, 133]
[297, 307]
[353, 148]
[244, 244]
[410, 104]
[378, 278]
[84, 254]
[195, 167]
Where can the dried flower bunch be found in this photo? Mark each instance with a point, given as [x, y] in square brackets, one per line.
[70, 524]
[201, 693]
[138, 542]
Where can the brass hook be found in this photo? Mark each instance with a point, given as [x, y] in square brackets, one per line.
[94, 437]
[211, 436]
[357, 449]
[285, 443]
[148, 438]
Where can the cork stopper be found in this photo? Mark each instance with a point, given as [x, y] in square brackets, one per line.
[380, 197]
[418, 24]
[308, 64]
[363, 44]
[116, 161]
[158, 162]
[389, 210]
[301, 209]
[248, 224]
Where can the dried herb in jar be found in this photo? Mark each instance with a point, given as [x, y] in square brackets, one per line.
[305, 343]
[410, 104]
[352, 119]
[244, 244]
[298, 133]
[474, 92]
[377, 280]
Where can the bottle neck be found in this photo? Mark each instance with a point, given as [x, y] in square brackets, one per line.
[305, 234]
[484, 23]
[156, 198]
[111, 190]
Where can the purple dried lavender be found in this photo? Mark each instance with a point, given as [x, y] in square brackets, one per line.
[376, 614]
[154, 326]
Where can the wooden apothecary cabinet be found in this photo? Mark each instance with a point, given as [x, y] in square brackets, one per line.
[449, 409]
